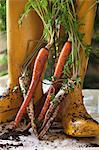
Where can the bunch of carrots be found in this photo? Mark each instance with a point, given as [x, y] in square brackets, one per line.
[49, 108]
[57, 13]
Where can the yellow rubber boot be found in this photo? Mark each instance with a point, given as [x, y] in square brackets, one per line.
[86, 11]
[17, 41]
[75, 119]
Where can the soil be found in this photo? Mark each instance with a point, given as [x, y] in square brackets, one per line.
[12, 135]
[10, 138]
[7, 145]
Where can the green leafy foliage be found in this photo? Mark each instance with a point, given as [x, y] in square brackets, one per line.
[2, 15]
[3, 73]
[53, 99]
[77, 80]
[3, 59]
[68, 66]
[88, 50]
[69, 84]
[25, 13]
[3, 64]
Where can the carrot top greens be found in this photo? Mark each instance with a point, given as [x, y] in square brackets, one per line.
[56, 13]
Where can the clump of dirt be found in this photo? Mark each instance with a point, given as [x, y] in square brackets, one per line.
[14, 135]
[7, 145]
[92, 145]
[8, 133]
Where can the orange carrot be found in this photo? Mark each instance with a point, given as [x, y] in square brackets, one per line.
[62, 59]
[37, 72]
[57, 74]
[46, 104]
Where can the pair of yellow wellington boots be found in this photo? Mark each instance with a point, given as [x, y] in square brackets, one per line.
[75, 119]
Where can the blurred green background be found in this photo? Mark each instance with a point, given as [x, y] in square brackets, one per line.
[3, 50]
[92, 75]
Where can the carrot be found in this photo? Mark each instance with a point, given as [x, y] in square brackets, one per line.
[28, 126]
[62, 59]
[57, 74]
[46, 104]
[37, 71]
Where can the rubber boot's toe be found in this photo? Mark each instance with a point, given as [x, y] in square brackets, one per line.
[83, 128]
[75, 118]
[9, 104]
